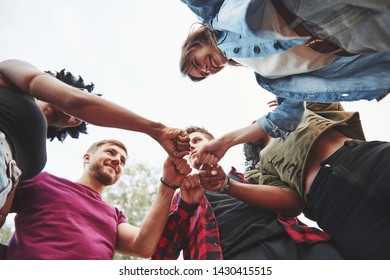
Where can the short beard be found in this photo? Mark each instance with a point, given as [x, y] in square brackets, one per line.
[103, 177]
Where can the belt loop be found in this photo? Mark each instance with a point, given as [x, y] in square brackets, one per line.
[14, 172]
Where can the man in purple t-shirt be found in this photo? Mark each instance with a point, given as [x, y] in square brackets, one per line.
[60, 219]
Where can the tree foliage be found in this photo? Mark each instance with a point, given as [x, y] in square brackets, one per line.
[6, 230]
[133, 194]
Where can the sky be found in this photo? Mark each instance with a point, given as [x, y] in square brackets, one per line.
[130, 50]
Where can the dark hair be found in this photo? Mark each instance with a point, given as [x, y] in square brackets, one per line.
[202, 36]
[70, 79]
[251, 154]
[192, 129]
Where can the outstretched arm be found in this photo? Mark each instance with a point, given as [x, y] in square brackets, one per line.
[283, 119]
[280, 199]
[90, 108]
[143, 241]
[219, 146]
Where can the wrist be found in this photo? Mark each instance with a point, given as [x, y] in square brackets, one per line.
[156, 130]
[226, 141]
[226, 186]
[173, 187]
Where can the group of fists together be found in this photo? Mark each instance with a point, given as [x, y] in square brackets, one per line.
[183, 160]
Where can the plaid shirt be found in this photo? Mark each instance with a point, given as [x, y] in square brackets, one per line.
[194, 230]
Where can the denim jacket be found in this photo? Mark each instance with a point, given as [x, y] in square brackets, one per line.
[348, 78]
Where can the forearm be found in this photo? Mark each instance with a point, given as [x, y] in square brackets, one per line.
[243, 135]
[87, 107]
[269, 198]
[154, 223]
[90, 108]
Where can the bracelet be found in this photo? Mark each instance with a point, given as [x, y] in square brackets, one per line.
[226, 186]
[168, 185]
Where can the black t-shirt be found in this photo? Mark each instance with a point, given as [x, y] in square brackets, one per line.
[240, 225]
[25, 127]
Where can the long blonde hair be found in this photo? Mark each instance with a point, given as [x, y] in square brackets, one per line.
[201, 35]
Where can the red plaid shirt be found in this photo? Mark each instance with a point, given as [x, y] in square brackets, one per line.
[194, 230]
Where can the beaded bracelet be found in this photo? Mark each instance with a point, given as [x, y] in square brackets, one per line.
[168, 185]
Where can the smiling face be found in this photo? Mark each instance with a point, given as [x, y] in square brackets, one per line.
[206, 61]
[106, 163]
[196, 139]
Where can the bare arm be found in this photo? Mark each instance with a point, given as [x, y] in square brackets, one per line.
[143, 241]
[220, 145]
[270, 198]
[89, 108]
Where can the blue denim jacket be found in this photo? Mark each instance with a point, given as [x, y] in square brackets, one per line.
[350, 78]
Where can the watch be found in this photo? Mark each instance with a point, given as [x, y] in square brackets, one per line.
[226, 186]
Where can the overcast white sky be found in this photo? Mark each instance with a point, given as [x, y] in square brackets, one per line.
[130, 50]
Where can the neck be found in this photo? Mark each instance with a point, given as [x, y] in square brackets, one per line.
[91, 183]
[46, 110]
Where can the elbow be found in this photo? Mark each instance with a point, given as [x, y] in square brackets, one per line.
[293, 204]
[146, 253]
[291, 212]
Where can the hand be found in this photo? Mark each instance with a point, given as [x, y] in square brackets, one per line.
[175, 170]
[272, 103]
[191, 190]
[175, 142]
[210, 153]
[208, 159]
[212, 177]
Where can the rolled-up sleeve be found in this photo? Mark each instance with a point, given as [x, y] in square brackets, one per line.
[285, 118]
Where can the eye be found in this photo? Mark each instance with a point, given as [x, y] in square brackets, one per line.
[197, 140]
[195, 63]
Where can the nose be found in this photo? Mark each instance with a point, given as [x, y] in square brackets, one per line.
[206, 69]
[76, 121]
[192, 146]
[116, 161]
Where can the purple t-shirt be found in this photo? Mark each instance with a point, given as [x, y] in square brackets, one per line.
[59, 219]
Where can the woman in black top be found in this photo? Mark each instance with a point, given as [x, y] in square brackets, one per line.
[35, 105]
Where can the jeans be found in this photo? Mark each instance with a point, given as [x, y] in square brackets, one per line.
[283, 248]
[350, 199]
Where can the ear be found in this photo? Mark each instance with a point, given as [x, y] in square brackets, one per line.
[86, 158]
